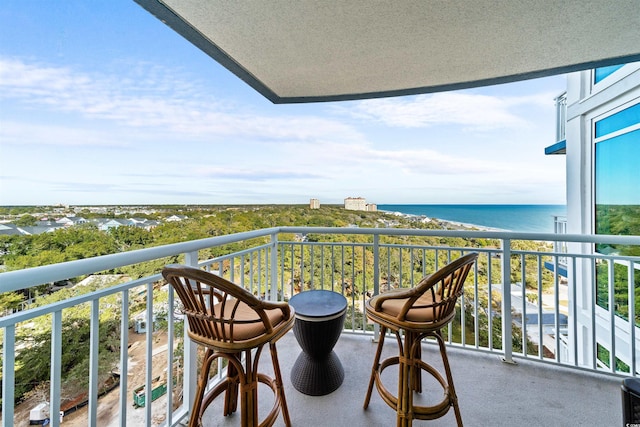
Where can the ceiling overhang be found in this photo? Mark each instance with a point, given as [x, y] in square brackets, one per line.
[314, 50]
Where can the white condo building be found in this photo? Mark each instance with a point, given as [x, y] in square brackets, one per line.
[599, 131]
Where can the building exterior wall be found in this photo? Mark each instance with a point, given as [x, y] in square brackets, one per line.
[314, 204]
[588, 103]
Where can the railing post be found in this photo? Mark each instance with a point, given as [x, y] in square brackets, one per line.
[8, 373]
[56, 368]
[632, 314]
[170, 350]
[190, 351]
[376, 279]
[149, 352]
[612, 313]
[94, 346]
[273, 277]
[124, 356]
[507, 338]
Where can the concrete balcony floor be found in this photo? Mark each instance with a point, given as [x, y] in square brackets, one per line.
[490, 392]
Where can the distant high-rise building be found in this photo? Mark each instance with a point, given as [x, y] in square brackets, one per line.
[314, 204]
[355, 203]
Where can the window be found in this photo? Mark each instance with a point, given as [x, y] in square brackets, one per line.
[617, 203]
[626, 118]
[604, 357]
[600, 74]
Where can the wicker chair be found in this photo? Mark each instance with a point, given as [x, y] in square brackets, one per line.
[419, 312]
[230, 322]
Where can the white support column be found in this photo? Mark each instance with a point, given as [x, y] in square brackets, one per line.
[579, 220]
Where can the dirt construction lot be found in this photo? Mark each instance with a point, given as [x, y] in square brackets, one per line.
[108, 412]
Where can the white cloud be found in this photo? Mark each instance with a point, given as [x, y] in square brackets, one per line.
[256, 175]
[457, 108]
[164, 103]
[22, 133]
[229, 153]
[343, 158]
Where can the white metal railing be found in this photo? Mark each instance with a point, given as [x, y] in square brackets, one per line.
[538, 320]
[561, 116]
[560, 227]
[186, 253]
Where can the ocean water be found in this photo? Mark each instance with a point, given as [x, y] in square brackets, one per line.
[526, 218]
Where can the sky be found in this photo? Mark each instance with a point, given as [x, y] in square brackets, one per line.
[102, 104]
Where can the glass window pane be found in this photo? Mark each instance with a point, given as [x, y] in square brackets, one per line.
[603, 72]
[617, 172]
[617, 180]
[617, 212]
[625, 118]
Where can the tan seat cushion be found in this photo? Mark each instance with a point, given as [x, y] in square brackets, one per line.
[422, 310]
[247, 324]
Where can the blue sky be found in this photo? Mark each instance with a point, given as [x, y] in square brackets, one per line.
[101, 103]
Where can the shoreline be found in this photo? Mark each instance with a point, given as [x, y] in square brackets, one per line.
[456, 224]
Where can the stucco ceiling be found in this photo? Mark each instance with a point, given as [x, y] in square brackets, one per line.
[323, 50]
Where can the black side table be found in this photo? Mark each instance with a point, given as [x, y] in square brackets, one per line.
[630, 401]
[319, 321]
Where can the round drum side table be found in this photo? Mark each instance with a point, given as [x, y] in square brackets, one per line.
[319, 321]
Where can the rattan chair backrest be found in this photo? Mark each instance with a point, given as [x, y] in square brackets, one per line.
[434, 298]
[443, 288]
[217, 308]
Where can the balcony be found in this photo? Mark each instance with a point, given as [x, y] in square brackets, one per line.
[560, 146]
[556, 355]
[490, 392]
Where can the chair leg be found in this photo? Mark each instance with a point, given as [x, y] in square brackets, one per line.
[194, 418]
[231, 394]
[416, 355]
[452, 391]
[406, 368]
[249, 393]
[280, 384]
[418, 371]
[376, 365]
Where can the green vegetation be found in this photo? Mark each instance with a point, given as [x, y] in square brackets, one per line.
[621, 294]
[604, 356]
[33, 341]
[32, 366]
[26, 220]
[618, 220]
